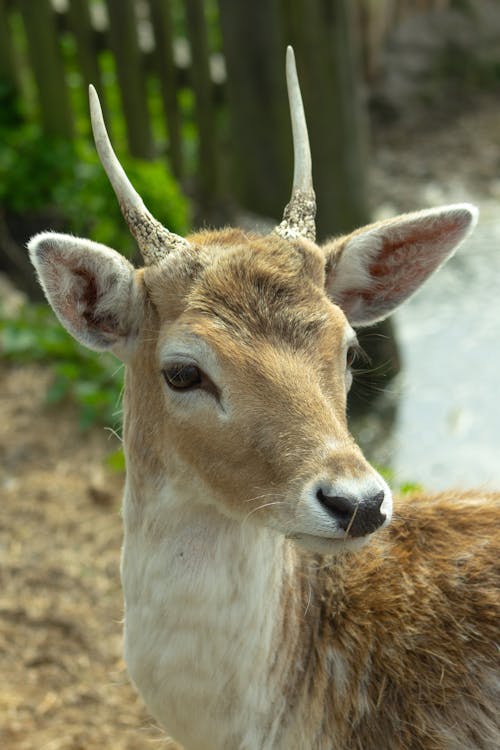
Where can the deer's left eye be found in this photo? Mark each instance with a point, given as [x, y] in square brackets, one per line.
[182, 377]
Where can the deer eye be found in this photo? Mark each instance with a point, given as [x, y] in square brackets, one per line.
[354, 353]
[182, 377]
[351, 356]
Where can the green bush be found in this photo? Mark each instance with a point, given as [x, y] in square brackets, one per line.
[39, 173]
[42, 175]
[93, 382]
[401, 488]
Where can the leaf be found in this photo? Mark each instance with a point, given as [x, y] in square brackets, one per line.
[57, 391]
[408, 487]
[116, 461]
[68, 370]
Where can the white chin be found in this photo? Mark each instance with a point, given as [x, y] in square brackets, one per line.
[327, 546]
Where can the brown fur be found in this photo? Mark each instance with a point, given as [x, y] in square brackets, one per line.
[414, 620]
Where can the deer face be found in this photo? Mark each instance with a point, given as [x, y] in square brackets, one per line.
[250, 381]
[238, 348]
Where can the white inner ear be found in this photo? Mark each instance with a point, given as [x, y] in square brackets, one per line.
[381, 267]
[90, 287]
[352, 269]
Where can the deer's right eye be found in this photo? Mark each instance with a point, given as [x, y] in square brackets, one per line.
[351, 356]
[186, 376]
[182, 376]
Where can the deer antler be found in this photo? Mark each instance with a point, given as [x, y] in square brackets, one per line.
[154, 240]
[300, 212]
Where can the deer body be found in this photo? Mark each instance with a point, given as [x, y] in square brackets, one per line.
[236, 639]
[270, 646]
[269, 603]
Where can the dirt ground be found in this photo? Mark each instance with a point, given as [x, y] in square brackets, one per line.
[63, 681]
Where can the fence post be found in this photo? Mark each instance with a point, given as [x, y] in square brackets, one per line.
[161, 15]
[254, 48]
[81, 26]
[7, 66]
[47, 67]
[125, 46]
[203, 90]
[329, 71]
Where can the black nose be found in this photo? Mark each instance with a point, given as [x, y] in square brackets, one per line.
[357, 517]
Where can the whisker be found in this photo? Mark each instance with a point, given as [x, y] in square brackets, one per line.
[265, 494]
[308, 598]
[114, 433]
[260, 507]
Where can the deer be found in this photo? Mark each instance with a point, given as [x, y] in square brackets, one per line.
[273, 598]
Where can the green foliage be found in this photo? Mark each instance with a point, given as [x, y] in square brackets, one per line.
[93, 382]
[40, 173]
[65, 179]
[116, 461]
[31, 165]
[10, 108]
[402, 488]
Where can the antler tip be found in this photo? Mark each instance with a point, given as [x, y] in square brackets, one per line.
[291, 68]
[96, 118]
[93, 97]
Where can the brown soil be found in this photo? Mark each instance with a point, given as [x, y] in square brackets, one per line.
[64, 681]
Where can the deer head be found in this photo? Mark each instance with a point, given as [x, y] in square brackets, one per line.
[239, 347]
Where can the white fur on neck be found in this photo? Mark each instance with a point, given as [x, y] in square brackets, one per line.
[201, 597]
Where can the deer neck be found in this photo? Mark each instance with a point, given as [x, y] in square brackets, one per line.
[204, 611]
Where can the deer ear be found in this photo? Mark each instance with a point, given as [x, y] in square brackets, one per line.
[91, 288]
[375, 269]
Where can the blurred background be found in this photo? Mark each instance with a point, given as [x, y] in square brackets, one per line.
[403, 105]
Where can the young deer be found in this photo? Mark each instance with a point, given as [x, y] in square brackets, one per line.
[268, 603]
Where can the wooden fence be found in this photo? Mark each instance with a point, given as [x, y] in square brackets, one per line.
[42, 39]
[51, 48]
